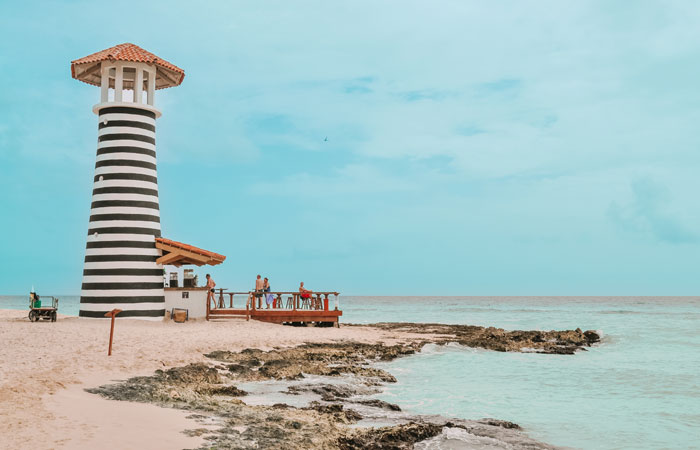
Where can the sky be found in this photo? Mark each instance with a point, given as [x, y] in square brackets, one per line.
[473, 148]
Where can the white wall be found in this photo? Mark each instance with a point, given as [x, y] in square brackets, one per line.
[196, 302]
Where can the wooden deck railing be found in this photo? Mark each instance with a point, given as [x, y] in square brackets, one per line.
[281, 300]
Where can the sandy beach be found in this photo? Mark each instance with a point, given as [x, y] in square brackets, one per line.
[46, 367]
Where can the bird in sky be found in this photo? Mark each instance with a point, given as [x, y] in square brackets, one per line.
[326, 139]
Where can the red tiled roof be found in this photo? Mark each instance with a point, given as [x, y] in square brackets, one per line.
[170, 246]
[167, 74]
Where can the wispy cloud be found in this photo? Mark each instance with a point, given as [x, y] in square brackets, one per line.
[468, 130]
[426, 94]
[359, 85]
[508, 86]
[648, 213]
[351, 179]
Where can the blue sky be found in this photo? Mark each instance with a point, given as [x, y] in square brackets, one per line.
[474, 148]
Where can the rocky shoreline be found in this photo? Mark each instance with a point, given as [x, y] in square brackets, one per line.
[336, 382]
[565, 342]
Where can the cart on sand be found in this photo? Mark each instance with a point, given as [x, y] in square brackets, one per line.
[37, 311]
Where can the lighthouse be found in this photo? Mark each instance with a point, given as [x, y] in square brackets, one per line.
[123, 266]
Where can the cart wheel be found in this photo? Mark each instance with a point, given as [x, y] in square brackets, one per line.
[33, 316]
[53, 316]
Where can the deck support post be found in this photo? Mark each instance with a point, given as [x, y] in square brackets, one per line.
[208, 308]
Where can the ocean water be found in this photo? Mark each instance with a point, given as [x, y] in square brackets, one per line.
[638, 389]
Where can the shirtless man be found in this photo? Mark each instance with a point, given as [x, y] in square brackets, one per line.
[210, 290]
[305, 293]
[259, 287]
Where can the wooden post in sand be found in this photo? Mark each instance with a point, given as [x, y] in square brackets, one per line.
[111, 314]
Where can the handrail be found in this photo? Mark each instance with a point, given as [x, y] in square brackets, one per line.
[317, 300]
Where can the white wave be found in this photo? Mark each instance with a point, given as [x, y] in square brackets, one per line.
[460, 439]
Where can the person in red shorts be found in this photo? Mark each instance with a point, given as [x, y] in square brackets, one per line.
[305, 293]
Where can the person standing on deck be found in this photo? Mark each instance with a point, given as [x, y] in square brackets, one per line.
[210, 290]
[266, 289]
[259, 287]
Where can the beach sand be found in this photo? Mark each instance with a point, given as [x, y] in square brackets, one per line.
[45, 367]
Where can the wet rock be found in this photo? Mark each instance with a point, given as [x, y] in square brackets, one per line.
[231, 391]
[381, 404]
[591, 336]
[193, 373]
[293, 424]
[196, 432]
[395, 437]
[352, 415]
[332, 392]
[500, 423]
[337, 410]
[565, 342]
[220, 355]
[137, 389]
[239, 369]
[560, 351]
[331, 359]
[368, 372]
[253, 362]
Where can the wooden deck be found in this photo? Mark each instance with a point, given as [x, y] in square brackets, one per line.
[285, 308]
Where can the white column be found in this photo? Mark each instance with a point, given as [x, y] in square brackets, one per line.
[151, 86]
[138, 85]
[104, 85]
[119, 83]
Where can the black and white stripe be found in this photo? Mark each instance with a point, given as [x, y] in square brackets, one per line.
[120, 269]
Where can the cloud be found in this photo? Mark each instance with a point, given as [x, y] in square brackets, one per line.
[352, 179]
[360, 85]
[507, 87]
[426, 94]
[648, 213]
[468, 130]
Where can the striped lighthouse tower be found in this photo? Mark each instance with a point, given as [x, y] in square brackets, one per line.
[121, 268]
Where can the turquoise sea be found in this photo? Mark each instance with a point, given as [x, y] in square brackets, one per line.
[638, 389]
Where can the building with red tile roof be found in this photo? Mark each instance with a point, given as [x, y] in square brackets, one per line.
[87, 69]
[177, 254]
